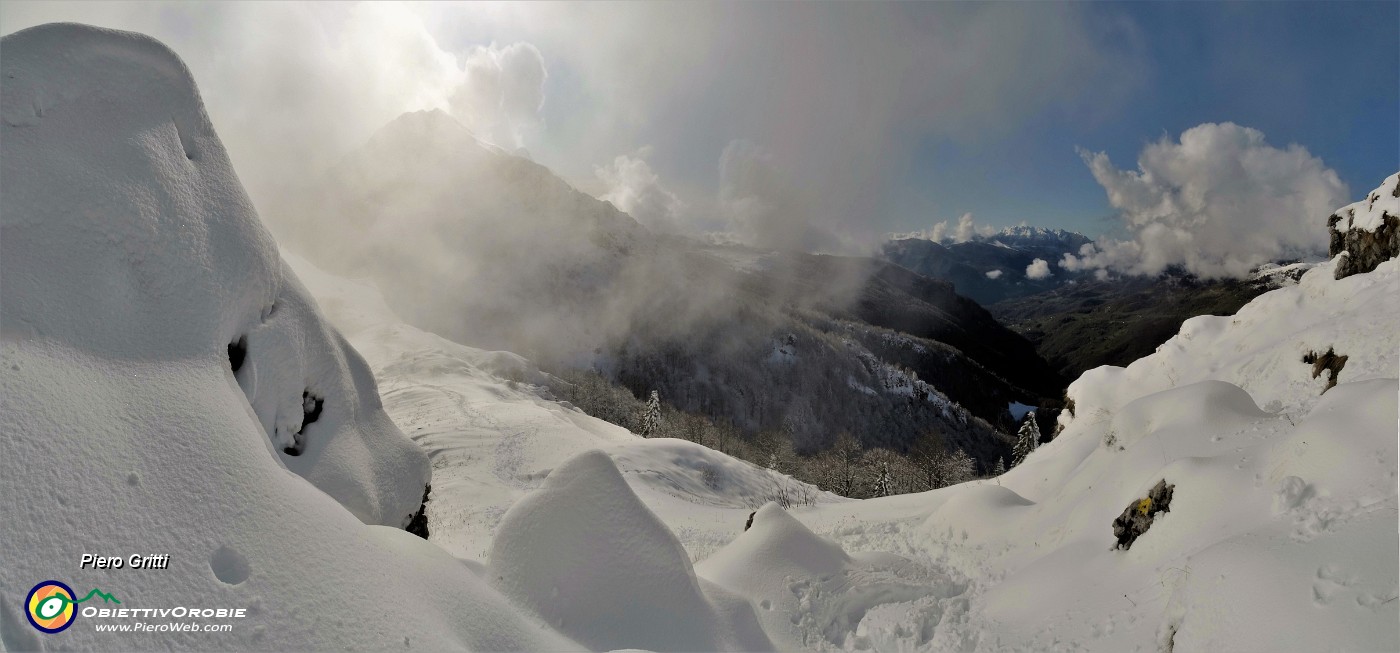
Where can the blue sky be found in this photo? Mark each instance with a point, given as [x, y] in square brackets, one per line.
[1323, 75]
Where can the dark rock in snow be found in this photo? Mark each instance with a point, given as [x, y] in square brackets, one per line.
[1329, 362]
[418, 522]
[1139, 514]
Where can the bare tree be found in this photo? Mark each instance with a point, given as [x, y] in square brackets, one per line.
[843, 465]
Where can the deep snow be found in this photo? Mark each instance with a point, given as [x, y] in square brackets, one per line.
[130, 258]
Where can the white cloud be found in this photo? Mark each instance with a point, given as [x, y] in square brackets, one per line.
[1038, 269]
[633, 187]
[1218, 202]
[502, 93]
[966, 229]
[993, 274]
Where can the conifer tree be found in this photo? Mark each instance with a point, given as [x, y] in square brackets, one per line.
[651, 415]
[1026, 439]
[884, 483]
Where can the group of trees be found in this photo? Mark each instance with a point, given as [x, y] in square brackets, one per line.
[813, 381]
[847, 467]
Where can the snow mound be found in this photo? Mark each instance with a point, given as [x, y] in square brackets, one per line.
[590, 559]
[128, 238]
[135, 276]
[1205, 405]
[812, 594]
[775, 547]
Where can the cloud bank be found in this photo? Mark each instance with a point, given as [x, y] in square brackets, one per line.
[1217, 202]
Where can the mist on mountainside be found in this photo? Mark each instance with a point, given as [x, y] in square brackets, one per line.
[493, 250]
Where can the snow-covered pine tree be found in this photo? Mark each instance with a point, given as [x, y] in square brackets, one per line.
[999, 469]
[884, 482]
[651, 415]
[1026, 439]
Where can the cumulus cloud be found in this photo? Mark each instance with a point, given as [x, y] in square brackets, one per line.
[1038, 269]
[993, 274]
[633, 187]
[1218, 202]
[966, 229]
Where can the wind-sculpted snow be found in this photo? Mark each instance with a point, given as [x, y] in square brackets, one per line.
[590, 559]
[130, 260]
[128, 238]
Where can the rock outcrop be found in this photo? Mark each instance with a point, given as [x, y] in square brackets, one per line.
[1367, 232]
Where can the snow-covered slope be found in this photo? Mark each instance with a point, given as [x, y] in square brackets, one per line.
[1285, 508]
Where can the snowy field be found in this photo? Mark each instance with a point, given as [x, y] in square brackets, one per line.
[171, 386]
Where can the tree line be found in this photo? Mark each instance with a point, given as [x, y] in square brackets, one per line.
[847, 467]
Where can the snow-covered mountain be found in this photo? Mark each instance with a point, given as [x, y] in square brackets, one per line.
[131, 261]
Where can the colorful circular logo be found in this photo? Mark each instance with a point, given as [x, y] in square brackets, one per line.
[50, 606]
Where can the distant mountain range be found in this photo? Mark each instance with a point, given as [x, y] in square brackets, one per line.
[494, 251]
[991, 268]
[1077, 322]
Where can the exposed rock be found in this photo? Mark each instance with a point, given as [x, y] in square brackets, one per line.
[1330, 362]
[418, 522]
[1139, 514]
[1367, 232]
